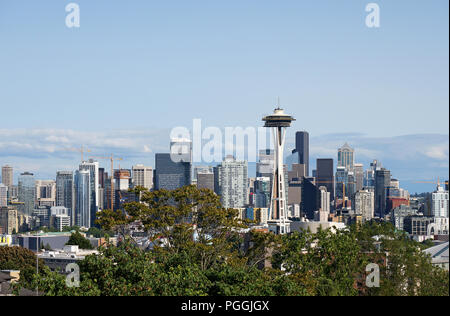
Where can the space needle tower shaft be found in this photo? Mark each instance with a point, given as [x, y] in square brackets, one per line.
[278, 221]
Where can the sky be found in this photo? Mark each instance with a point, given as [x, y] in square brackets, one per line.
[136, 69]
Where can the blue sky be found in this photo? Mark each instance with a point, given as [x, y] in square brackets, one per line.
[148, 66]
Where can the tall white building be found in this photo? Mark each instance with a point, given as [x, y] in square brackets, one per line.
[364, 204]
[142, 176]
[324, 200]
[232, 181]
[439, 210]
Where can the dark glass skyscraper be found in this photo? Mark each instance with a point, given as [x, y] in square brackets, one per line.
[310, 199]
[65, 192]
[382, 182]
[325, 175]
[171, 175]
[302, 149]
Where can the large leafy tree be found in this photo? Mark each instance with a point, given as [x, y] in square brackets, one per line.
[76, 239]
[21, 259]
[187, 219]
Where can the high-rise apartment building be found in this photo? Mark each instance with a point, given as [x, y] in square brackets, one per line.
[439, 210]
[302, 149]
[142, 176]
[346, 157]
[232, 178]
[8, 220]
[27, 193]
[363, 204]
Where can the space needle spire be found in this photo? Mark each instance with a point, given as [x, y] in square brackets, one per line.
[278, 122]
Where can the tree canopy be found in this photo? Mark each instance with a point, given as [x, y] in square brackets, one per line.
[200, 248]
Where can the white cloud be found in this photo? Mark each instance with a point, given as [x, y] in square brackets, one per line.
[438, 152]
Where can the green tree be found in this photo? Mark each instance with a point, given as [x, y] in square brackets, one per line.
[21, 259]
[76, 239]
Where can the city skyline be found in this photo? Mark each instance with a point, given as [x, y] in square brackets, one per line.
[409, 163]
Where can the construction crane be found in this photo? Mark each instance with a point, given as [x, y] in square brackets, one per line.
[111, 159]
[81, 150]
[438, 182]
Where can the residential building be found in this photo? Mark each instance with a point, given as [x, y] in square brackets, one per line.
[364, 204]
[142, 176]
[232, 179]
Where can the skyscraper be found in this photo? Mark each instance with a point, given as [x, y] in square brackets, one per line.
[3, 195]
[205, 180]
[27, 192]
[264, 168]
[346, 157]
[325, 175]
[65, 192]
[171, 175]
[262, 192]
[7, 176]
[359, 176]
[142, 176]
[83, 194]
[382, 182]
[369, 178]
[311, 199]
[232, 177]
[302, 149]
[92, 167]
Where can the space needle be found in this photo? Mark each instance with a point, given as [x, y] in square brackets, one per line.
[278, 221]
